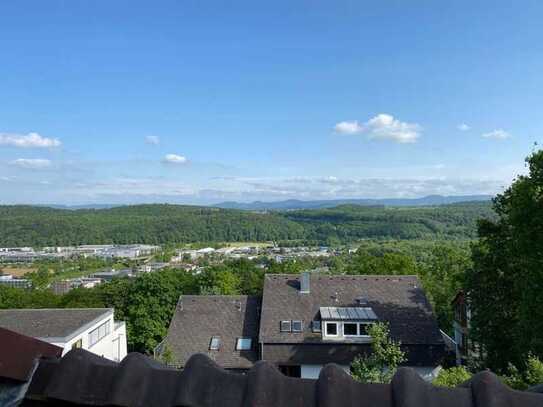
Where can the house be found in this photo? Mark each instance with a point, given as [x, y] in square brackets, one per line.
[310, 320]
[304, 322]
[64, 286]
[224, 327]
[92, 329]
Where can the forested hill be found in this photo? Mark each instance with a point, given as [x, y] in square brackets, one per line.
[158, 223]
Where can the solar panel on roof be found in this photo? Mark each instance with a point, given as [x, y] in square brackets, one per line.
[352, 313]
[347, 313]
[371, 314]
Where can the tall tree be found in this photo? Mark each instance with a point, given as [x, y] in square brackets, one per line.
[506, 283]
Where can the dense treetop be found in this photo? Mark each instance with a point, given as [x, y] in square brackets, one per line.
[505, 285]
[159, 223]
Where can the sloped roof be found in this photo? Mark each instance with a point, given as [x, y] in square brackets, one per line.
[198, 318]
[50, 323]
[84, 379]
[398, 300]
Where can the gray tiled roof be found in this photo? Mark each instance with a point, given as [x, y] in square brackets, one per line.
[197, 318]
[49, 323]
[398, 300]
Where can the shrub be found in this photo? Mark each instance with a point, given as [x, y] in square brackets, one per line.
[452, 377]
[381, 364]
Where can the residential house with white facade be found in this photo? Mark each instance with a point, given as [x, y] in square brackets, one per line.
[92, 329]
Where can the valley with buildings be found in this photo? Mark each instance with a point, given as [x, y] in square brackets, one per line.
[271, 204]
[318, 289]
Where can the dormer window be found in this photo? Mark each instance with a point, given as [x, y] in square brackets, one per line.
[347, 323]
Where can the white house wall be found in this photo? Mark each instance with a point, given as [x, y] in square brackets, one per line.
[112, 346]
[428, 373]
[313, 371]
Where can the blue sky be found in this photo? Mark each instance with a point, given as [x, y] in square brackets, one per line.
[201, 102]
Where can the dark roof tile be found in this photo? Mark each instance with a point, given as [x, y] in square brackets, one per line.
[82, 379]
[198, 318]
[398, 300]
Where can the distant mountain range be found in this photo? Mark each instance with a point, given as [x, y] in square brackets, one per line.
[290, 204]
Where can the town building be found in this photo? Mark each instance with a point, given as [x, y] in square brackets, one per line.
[109, 275]
[306, 321]
[92, 329]
[64, 286]
[7, 280]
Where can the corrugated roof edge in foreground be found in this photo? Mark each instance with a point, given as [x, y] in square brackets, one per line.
[82, 378]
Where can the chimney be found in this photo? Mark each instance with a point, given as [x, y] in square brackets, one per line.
[305, 282]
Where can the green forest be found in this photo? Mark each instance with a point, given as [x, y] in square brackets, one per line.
[493, 252]
[160, 224]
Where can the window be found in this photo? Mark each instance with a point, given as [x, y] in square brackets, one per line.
[297, 326]
[331, 329]
[286, 326]
[364, 329]
[215, 343]
[244, 344]
[316, 326]
[98, 333]
[350, 329]
[77, 344]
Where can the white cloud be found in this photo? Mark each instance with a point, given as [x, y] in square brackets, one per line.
[498, 134]
[386, 127]
[31, 163]
[383, 127]
[174, 159]
[463, 127]
[348, 127]
[153, 140]
[30, 140]
[336, 188]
